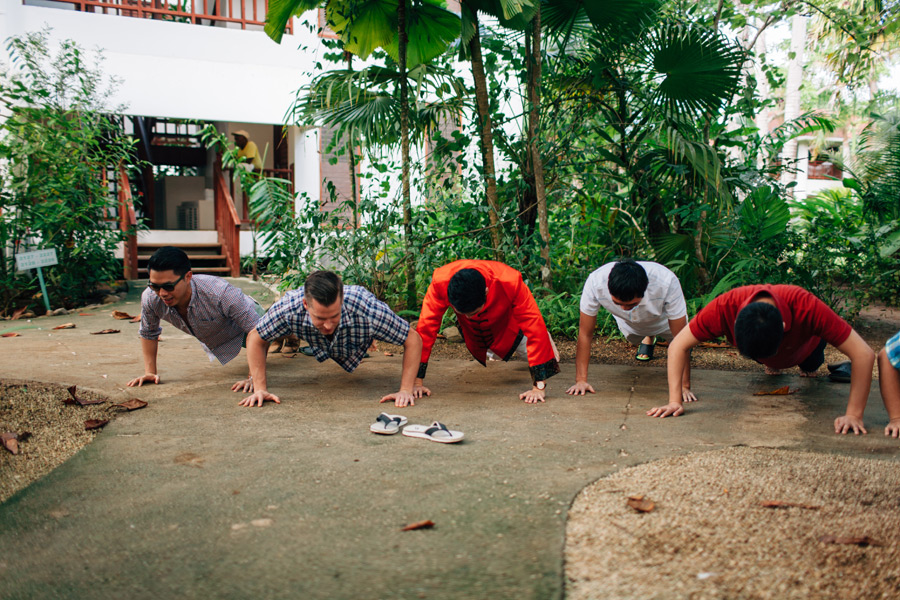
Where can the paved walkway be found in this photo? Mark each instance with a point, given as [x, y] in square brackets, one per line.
[197, 497]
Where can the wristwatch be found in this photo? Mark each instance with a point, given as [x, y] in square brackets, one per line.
[540, 384]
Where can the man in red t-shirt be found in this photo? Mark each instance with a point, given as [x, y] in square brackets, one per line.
[780, 326]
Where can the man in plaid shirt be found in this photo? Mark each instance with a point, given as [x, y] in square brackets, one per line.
[209, 308]
[338, 323]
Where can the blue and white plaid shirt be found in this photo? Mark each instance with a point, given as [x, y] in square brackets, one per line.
[363, 318]
[219, 313]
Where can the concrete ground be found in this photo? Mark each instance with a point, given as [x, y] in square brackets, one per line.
[197, 497]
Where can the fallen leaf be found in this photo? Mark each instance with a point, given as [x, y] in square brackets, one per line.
[388, 353]
[641, 504]
[104, 331]
[18, 313]
[780, 504]
[734, 354]
[65, 326]
[190, 459]
[782, 391]
[84, 314]
[137, 319]
[861, 541]
[122, 316]
[79, 401]
[95, 424]
[10, 441]
[12, 334]
[132, 404]
[419, 525]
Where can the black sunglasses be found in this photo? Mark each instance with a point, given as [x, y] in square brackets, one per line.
[169, 287]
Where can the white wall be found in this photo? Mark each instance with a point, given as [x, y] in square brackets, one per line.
[181, 70]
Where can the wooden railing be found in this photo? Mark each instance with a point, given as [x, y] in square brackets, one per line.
[228, 225]
[128, 225]
[198, 12]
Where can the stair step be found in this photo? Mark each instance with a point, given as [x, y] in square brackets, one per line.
[190, 256]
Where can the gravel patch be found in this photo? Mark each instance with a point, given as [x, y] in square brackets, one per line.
[57, 430]
[708, 535]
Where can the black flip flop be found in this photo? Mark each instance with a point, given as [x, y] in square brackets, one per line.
[840, 372]
[647, 350]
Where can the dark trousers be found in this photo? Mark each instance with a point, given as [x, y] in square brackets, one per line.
[815, 359]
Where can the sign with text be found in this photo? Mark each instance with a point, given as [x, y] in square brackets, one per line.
[36, 259]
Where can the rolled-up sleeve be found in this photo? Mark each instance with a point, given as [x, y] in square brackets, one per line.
[150, 328]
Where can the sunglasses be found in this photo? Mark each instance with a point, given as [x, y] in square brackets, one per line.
[169, 287]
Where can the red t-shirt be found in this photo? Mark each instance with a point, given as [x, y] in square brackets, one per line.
[807, 321]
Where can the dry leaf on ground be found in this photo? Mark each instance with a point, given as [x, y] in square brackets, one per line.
[84, 314]
[428, 524]
[132, 404]
[18, 313]
[121, 315]
[65, 326]
[640, 503]
[861, 541]
[11, 440]
[95, 423]
[104, 331]
[780, 504]
[11, 334]
[79, 401]
[782, 391]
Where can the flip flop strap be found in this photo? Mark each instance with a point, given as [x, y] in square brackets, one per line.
[383, 418]
[436, 428]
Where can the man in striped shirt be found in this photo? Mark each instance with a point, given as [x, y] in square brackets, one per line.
[209, 308]
[338, 323]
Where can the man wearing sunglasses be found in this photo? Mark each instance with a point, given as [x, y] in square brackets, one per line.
[209, 308]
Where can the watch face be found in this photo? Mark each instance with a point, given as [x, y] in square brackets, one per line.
[540, 385]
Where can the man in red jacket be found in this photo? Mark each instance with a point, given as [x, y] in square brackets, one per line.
[780, 326]
[496, 313]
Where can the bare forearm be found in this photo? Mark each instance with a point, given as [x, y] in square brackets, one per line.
[412, 356]
[149, 348]
[860, 384]
[582, 356]
[257, 349]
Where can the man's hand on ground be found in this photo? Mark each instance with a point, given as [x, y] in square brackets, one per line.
[145, 378]
[672, 409]
[532, 396]
[893, 428]
[846, 424]
[258, 397]
[687, 395]
[580, 389]
[420, 391]
[401, 398]
[244, 385]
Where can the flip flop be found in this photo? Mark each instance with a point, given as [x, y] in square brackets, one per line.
[840, 372]
[387, 424]
[645, 349]
[307, 351]
[436, 432]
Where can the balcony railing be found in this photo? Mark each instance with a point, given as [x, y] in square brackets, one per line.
[246, 13]
[823, 169]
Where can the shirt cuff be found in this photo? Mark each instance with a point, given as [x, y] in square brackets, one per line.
[544, 371]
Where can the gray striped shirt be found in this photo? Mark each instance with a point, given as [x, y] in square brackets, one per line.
[219, 316]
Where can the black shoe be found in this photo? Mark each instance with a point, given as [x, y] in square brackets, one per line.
[839, 372]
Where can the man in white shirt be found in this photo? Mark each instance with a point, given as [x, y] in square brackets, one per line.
[646, 300]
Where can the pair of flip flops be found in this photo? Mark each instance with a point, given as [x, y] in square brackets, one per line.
[840, 372]
[386, 424]
[645, 351]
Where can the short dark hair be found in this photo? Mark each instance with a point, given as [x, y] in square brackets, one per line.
[758, 330]
[325, 287]
[627, 280]
[169, 258]
[466, 291]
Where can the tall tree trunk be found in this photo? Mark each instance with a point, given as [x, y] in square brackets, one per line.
[351, 158]
[487, 138]
[762, 84]
[412, 300]
[534, 98]
[792, 93]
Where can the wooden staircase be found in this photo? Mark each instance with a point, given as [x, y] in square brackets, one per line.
[206, 259]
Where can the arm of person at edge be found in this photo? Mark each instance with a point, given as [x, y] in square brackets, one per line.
[586, 326]
[679, 354]
[409, 389]
[889, 381]
[525, 310]
[676, 325]
[257, 349]
[862, 359]
[149, 349]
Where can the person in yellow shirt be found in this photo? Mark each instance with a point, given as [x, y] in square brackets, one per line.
[248, 152]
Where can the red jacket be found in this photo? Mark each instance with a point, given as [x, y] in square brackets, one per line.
[509, 313]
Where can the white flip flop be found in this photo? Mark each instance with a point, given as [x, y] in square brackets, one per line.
[387, 424]
[436, 432]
